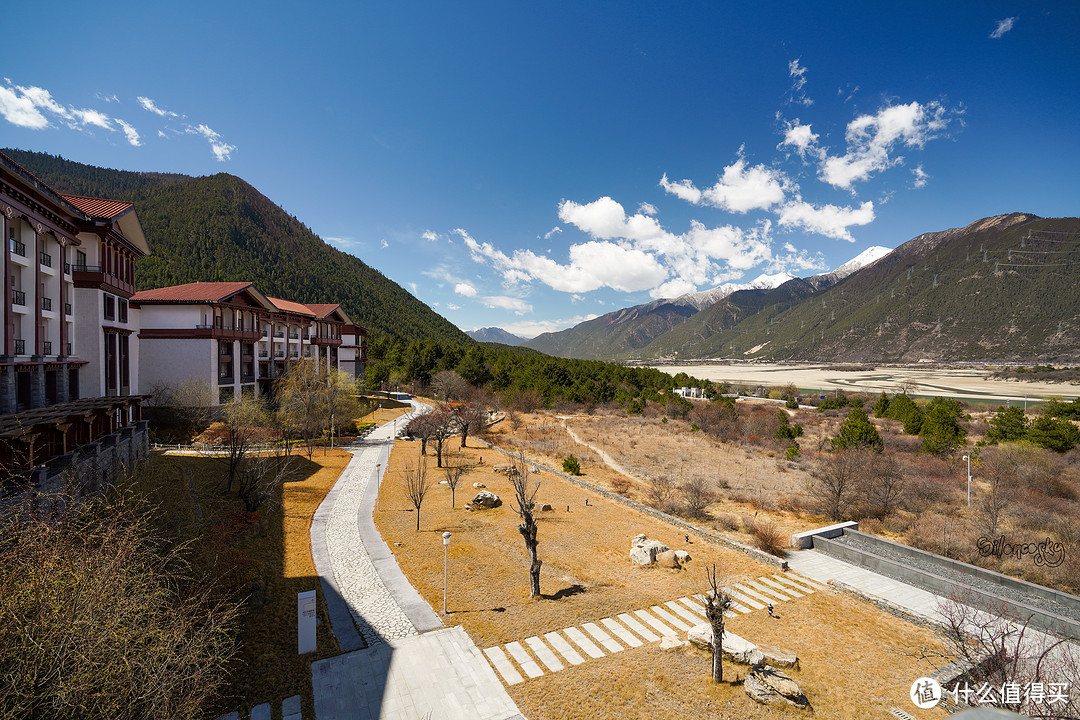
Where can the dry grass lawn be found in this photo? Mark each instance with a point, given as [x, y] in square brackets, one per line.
[853, 657]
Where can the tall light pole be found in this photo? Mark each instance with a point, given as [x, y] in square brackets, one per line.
[378, 482]
[446, 547]
[968, 458]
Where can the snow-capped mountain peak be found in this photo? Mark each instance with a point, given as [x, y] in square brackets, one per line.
[869, 256]
[705, 298]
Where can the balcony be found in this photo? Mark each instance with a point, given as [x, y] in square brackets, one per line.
[279, 333]
[96, 276]
[226, 333]
[326, 341]
[46, 304]
[279, 355]
[18, 248]
[18, 297]
[20, 347]
[46, 259]
[46, 347]
[264, 354]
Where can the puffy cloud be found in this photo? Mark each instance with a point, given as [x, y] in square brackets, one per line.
[921, 177]
[504, 302]
[383, 244]
[739, 189]
[1003, 26]
[130, 132]
[464, 288]
[552, 232]
[429, 235]
[647, 209]
[20, 110]
[800, 137]
[828, 220]
[452, 306]
[148, 104]
[871, 139]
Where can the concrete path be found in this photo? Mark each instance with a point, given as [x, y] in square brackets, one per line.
[400, 662]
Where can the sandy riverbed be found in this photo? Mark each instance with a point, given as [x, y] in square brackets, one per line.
[962, 383]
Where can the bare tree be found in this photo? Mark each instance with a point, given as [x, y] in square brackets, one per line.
[661, 490]
[696, 494]
[417, 485]
[835, 483]
[261, 475]
[524, 503]
[450, 386]
[883, 484]
[246, 419]
[470, 418]
[717, 602]
[453, 471]
[992, 503]
[189, 404]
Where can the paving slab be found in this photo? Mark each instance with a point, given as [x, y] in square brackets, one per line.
[502, 664]
[583, 642]
[603, 638]
[781, 587]
[684, 612]
[621, 632]
[739, 597]
[632, 623]
[291, 708]
[261, 712]
[523, 659]
[543, 652]
[791, 582]
[767, 591]
[676, 622]
[660, 627]
[558, 642]
[750, 593]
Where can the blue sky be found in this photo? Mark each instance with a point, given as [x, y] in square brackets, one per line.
[533, 165]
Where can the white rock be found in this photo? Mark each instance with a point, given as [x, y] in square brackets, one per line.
[643, 551]
[733, 647]
[486, 499]
[672, 643]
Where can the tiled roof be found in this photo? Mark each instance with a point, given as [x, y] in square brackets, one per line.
[321, 310]
[290, 306]
[192, 292]
[98, 207]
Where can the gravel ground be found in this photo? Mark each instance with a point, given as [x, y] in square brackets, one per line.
[975, 582]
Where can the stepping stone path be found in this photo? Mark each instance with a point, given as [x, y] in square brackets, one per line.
[574, 645]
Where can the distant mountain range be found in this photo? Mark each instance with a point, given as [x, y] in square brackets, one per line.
[495, 335]
[1003, 288]
[220, 228]
[624, 333]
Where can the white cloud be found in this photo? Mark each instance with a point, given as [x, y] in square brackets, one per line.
[148, 104]
[412, 287]
[20, 110]
[504, 302]
[221, 149]
[162, 135]
[532, 328]
[552, 232]
[464, 288]
[798, 262]
[921, 177]
[647, 209]
[429, 235]
[872, 138]
[800, 137]
[344, 243]
[383, 244]
[1003, 26]
[452, 306]
[798, 83]
[576, 298]
[130, 132]
[107, 98]
[739, 189]
[828, 220]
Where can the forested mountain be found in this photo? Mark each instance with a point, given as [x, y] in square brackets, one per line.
[220, 228]
[1002, 288]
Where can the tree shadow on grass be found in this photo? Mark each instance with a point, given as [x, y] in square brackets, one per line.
[575, 589]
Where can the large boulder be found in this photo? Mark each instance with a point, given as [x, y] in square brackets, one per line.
[668, 559]
[779, 657]
[486, 499]
[643, 551]
[682, 556]
[767, 685]
[733, 648]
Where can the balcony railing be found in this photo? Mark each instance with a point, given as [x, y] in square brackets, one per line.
[20, 347]
[279, 355]
[279, 333]
[294, 335]
[264, 354]
[17, 247]
[18, 297]
[46, 347]
[46, 303]
[46, 259]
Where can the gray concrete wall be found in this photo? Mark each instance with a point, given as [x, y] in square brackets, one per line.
[1039, 619]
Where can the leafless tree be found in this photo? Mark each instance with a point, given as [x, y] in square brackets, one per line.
[525, 489]
[417, 484]
[260, 476]
[188, 401]
[717, 602]
[835, 483]
[469, 417]
[449, 386]
[883, 484]
[992, 504]
[246, 420]
[1001, 651]
[661, 490]
[453, 471]
[696, 494]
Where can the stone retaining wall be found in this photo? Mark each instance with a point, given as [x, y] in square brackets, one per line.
[670, 519]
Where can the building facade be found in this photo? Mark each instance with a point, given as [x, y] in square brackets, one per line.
[230, 339]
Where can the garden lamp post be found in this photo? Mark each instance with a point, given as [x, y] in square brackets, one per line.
[446, 546]
[968, 458]
[378, 482]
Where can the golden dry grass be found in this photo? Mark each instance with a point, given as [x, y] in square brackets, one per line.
[852, 656]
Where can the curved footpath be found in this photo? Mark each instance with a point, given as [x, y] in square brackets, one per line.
[398, 661]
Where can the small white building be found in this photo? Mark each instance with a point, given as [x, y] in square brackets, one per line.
[690, 392]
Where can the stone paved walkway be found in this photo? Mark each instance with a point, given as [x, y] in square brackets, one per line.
[574, 645]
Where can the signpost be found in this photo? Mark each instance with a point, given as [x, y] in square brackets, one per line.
[305, 621]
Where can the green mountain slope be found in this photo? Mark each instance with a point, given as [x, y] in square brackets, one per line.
[615, 334]
[1002, 288]
[220, 228]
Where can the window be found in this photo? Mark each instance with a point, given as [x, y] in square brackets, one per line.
[123, 309]
[225, 395]
[110, 307]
